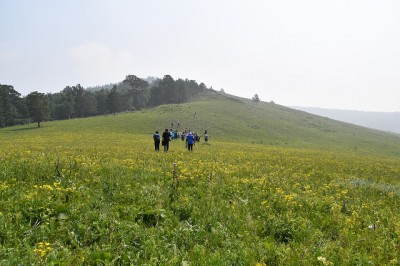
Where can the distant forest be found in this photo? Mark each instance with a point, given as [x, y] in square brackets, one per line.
[74, 101]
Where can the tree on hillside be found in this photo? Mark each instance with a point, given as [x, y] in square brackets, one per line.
[75, 101]
[37, 106]
[193, 88]
[181, 90]
[156, 97]
[90, 103]
[101, 101]
[163, 92]
[255, 98]
[130, 100]
[168, 91]
[55, 106]
[68, 102]
[139, 87]
[9, 105]
[113, 100]
[72, 102]
[79, 92]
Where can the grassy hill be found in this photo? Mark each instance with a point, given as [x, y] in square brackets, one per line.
[274, 186]
[385, 121]
[233, 119]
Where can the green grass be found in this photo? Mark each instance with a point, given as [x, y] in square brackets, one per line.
[233, 119]
[273, 186]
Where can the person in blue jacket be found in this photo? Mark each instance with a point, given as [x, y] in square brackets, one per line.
[156, 138]
[190, 141]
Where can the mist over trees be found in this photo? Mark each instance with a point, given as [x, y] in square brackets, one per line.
[133, 93]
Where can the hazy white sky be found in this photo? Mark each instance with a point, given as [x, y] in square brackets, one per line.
[325, 53]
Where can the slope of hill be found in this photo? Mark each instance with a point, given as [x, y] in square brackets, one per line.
[235, 119]
[389, 121]
[271, 183]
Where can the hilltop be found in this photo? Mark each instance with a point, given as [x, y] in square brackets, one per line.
[233, 119]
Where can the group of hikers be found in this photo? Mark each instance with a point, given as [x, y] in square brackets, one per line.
[188, 136]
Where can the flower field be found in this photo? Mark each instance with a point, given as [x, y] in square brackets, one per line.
[109, 199]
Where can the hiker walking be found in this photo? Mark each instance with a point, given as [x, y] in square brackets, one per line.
[190, 141]
[156, 138]
[165, 139]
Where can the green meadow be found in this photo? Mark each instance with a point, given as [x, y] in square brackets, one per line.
[273, 186]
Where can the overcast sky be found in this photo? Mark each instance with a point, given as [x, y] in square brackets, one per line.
[341, 54]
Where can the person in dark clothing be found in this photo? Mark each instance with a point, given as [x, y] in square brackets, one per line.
[156, 138]
[190, 141]
[165, 139]
[205, 136]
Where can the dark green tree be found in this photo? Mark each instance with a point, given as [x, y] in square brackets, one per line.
[56, 110]
[192, 88]
[168, 90]
[10, 105]
[113, 100]
[68, 102]
[138, 89]
[37, 106]
[255, 98]
[156, 96]
[127, 97]
[90, 103]
[79, 92]
[181, 90]
[51, 105]
[202, 87]
[101, 101]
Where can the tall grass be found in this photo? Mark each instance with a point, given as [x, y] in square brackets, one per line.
[108, 198]
[94, 192]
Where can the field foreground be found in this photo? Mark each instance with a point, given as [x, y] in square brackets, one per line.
[110, 199]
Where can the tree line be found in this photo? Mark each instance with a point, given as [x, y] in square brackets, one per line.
[133, 93]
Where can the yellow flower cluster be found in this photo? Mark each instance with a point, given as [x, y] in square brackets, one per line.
[55, 187]
[324, 261]
[42, 249]
[4, 185]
